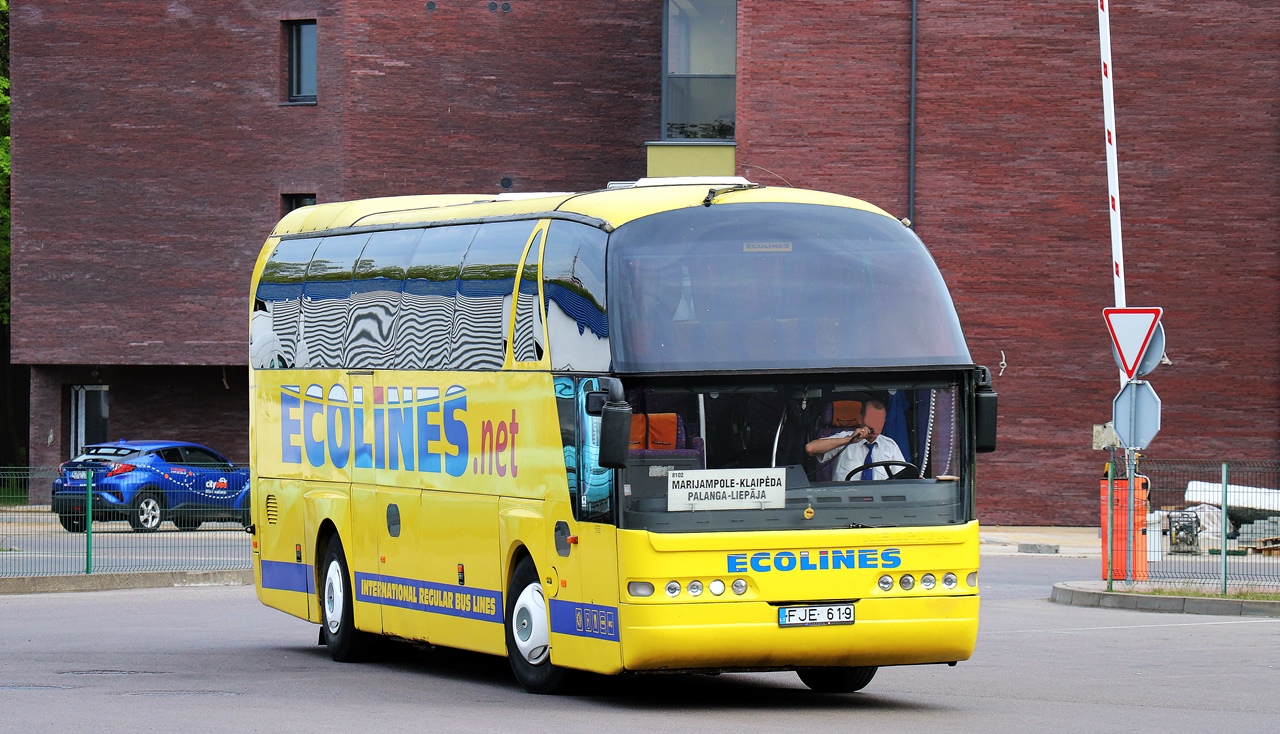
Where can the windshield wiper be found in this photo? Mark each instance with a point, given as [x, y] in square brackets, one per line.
[712, 194]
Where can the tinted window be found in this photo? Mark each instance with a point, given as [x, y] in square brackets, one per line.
[574, 291]
[425, 320]
[528, 333]
[375, 298]
[484, 291]
[326, 297]
[273, 335]
[773, 286]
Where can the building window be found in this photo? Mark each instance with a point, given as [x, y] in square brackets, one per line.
[302, 60]
[701, 53]
[289, 202]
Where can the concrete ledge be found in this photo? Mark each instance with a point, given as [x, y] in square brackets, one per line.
[1094, 594]
[1037, 548]
[106, 581]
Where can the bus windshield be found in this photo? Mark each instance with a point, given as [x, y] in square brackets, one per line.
[776, 286]
[740, 455]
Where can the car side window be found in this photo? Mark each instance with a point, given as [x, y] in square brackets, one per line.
[200, 457]
[170, 456]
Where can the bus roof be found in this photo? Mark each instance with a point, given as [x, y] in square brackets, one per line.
[610, 207]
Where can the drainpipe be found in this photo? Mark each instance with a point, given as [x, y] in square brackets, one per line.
[911, 135]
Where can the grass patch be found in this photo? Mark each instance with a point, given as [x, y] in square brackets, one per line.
[1248, 594]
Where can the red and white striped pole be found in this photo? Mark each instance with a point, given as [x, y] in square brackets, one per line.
[1113, 170]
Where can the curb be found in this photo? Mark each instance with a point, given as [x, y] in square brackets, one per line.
[112, 581]
[1080, 594]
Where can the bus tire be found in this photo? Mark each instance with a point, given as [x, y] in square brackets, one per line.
[529, 632]
[346, 644]
[837, 680]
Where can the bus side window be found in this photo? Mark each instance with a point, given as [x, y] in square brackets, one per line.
[528, 345]
[573, 292]
[326, 301]
[273, 340]
[425, 319]
[595, 503]
[488, 277]
[567, 411]
[376, 288]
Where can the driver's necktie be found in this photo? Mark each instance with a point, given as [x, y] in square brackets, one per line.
[868, 473]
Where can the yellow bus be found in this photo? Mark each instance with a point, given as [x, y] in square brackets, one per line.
[670, 425]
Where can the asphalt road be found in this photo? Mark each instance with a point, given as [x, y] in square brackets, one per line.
[212, 659]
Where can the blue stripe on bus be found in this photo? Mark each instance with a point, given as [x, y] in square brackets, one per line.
[424, 596]
[584, 620]
[298, 577]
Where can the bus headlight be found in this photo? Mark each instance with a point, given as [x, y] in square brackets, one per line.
[907, 582]
[886, 582]
[695, 588]
[972, 579]
[949, 580]
[673, 589]
[639, 588]
[716, 587]
[927, 582]
[739, 586]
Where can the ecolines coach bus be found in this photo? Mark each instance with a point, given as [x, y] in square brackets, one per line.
[621, 430]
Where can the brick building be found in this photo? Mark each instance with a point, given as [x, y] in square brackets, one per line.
[155, 145]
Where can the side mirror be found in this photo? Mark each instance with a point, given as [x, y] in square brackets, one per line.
[984, 408]
[615, 426]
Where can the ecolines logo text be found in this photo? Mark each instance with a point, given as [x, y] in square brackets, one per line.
[822, 560]
[409, 428]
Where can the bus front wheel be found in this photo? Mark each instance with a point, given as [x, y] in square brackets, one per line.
[346, 644]
[837, 680]
[529, 632]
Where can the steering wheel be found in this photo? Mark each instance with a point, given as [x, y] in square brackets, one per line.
[908, 470]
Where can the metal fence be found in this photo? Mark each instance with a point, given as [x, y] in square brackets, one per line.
[35, 541]
[1206, 523]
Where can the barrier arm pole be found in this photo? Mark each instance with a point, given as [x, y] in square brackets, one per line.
[1113, 166]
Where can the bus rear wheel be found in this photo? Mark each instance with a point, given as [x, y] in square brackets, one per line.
[529, 632]
[837, 680]
[346, 644]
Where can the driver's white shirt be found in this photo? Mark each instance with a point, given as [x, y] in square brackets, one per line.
[855, 455]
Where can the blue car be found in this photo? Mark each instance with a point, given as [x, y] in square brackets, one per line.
[148, 482]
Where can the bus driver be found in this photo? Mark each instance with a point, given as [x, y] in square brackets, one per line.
[871, 446]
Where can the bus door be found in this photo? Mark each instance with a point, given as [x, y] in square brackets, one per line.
[584, 602]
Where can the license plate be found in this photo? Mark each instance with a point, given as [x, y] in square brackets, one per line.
[79, 474]
[815, 615]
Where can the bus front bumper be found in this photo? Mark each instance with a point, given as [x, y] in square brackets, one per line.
[746, 635]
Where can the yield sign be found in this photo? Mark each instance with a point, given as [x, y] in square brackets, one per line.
[1131, 330]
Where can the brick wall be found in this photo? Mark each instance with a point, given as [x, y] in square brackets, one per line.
[1011, 197]
[150, 151]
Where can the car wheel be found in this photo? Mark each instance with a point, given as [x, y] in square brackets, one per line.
[346, 643]
[837, 680]
[72, 523]
[147, 512]
[529, 632]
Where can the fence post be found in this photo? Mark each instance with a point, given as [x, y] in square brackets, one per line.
[88, 522]
[1110, 544]
[1226, 523]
